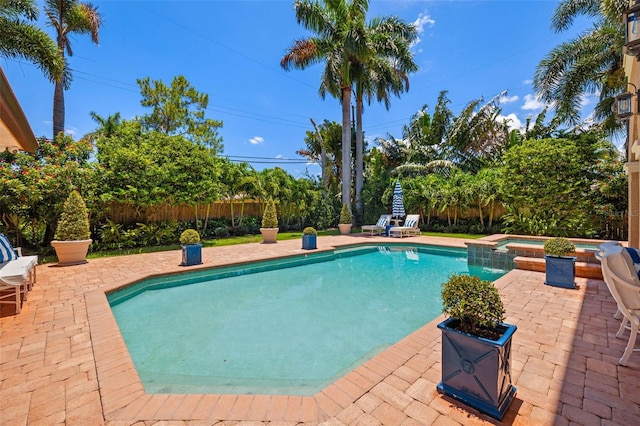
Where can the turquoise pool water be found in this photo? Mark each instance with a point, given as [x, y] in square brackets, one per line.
[281, 327]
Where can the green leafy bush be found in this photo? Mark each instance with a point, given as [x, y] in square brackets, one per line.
[345, 214]
[190, 236]
[309, 231]
[221, 232]
[475, 303]
[74, 222]
[559, 247]
[270, 216]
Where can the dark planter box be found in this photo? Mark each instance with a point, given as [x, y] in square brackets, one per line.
[477, 371]
[309, 242]
[191, 254]
[560, 271]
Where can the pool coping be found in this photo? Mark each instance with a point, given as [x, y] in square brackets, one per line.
[125, 399]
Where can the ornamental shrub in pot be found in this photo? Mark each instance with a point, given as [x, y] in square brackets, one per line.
[269, 229]
[476, 346]
[560, 268]
[345, 220]
[73, 236]
[309, 238]
[191, 247]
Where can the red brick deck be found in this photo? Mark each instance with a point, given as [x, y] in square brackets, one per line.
[63, 361]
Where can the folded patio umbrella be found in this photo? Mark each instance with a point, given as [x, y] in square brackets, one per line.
[397, 208]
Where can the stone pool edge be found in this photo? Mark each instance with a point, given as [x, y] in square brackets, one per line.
[124, 399]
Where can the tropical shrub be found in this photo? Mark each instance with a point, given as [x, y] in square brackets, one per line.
[189, 236]
[74, 222]
[270, 216]
[475, 303]
[309, 231]
[345, 214]
[559, 247]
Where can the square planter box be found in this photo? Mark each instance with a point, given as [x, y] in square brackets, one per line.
[560, 271]
[191, 254]
[477, 371]
[309, 242]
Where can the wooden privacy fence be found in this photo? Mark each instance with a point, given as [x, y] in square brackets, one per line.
[125, 213]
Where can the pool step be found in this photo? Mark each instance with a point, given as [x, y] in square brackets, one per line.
[583, 269]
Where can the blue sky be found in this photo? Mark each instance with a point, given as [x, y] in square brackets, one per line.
[231, 50]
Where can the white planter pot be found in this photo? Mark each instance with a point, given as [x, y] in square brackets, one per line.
[269, 235]
[345, 228]
[71, 252]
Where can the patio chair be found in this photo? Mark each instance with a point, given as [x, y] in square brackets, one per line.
[17, 274]
[621, 278]
[380, 227]
[409, 228]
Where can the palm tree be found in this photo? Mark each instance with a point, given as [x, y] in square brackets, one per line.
[340, 39]
[383, 72]
[587, 65]
[69, 17]
[21, 39]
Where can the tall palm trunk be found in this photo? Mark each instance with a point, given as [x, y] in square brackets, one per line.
[359, 157]
[58, 109]
[346, 146]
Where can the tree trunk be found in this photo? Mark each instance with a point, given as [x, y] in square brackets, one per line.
[58, 109]
[323, 162]
[359, 158]
[346, 147]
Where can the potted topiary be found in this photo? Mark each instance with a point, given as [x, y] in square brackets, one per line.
[269, 228]
[345, 220]
[309, 238]
[191, 247]
[476, 346]
[560, 268]
[72, 238]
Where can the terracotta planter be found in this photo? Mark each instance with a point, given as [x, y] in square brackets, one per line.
[269, 235]
[345, 228]
[71, 252]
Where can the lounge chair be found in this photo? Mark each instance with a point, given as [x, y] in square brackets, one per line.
[17, 275]
[380, 227]
[409, 228]
[621, 278]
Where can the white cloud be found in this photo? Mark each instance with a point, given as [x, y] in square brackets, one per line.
[422, 21]
[513, 122]
[256, 140]
[279, 156]
[527, 82]
[531, 102]
[508, 99]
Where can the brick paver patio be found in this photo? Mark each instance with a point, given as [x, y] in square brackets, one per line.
[63, 361]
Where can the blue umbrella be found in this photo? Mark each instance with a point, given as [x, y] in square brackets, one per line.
[397, 208]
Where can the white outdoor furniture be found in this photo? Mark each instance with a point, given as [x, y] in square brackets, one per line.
[16, 279]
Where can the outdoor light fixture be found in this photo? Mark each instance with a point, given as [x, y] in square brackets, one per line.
[632, 29]
[622, 107]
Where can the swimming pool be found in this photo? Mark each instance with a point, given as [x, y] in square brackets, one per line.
[287, 326]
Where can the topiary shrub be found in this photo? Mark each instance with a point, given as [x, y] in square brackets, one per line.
[559, 247]
[189, 236]
[475, 303]
[270, 216]
[345, 214]
[309, 231]
[74, 222]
